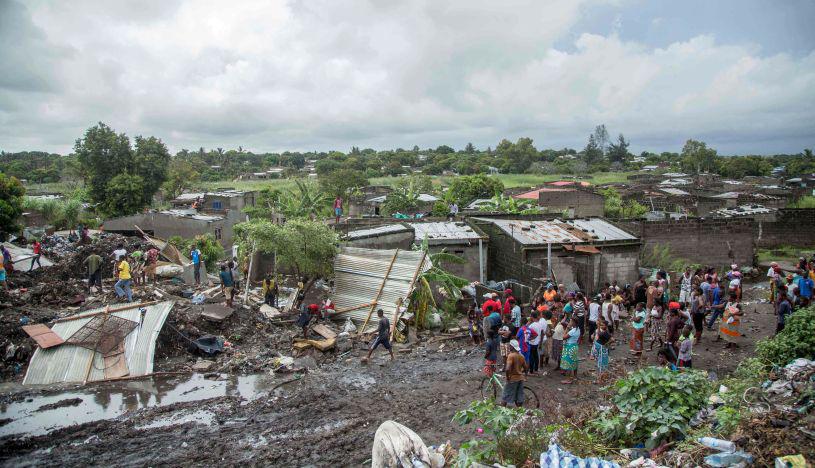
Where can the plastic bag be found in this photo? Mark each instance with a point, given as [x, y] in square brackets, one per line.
[349, 326]
[199, 298]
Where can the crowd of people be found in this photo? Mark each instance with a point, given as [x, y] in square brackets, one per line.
[560, 328]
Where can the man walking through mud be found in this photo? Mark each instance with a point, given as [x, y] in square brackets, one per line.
[382, 337]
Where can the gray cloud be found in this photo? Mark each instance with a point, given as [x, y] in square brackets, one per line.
[325, 74]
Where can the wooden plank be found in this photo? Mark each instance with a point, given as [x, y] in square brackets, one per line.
[116, 363]
[106, 311]
[322, 345]
[349, 309]
[379, 293]
[324, 331]
[43, 335]
[409, 290]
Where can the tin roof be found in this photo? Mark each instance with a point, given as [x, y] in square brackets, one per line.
[727, 195]
[71, 363]
[192, 214]
[360, 274]
[449, 230]
[377, 231]
[742, 210]
[675, 191]
[423, 197]
[561, 232]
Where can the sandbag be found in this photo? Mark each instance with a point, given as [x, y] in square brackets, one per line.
[397, 446]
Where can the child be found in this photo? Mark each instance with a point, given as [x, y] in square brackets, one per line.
[601, 341]
[490, 353]
[686, 348]
[665, 359]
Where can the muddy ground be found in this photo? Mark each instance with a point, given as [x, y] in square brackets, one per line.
[327, 417]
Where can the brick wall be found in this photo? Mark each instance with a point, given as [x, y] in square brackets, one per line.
[793, 226]
[706, 241]
[583, 203]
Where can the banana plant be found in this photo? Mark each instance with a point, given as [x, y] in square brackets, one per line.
[449, 283]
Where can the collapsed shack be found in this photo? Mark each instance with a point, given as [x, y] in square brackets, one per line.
[101, 344]
[366, 280]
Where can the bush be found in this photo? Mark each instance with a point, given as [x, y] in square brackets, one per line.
[440, 209]
[210, 249]
[652, 404]
[797, 340]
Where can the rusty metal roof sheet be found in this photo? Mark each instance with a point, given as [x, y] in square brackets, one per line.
[573, 231]
[359, 275]
[70, 363]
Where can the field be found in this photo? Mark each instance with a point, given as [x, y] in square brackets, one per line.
[509, 180]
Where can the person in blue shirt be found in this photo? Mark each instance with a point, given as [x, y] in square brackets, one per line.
[805, 286]
[195, 255]
[716, 305]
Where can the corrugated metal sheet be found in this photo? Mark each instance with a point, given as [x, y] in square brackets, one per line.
[359, 274]
[376, 231]
[742, 210]
[602, 229]
[444, 230]
[561, 232]
[69, 363]
[675, 191]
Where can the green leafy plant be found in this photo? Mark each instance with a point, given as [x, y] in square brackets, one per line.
[422, 297]
[796, 340]
[652, 404]
[504, 204]
[211, 250]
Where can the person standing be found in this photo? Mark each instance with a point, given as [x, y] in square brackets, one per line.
[515, 369]
[602, 339]
[452, 211]
[94, 265]
[686, 287]
[579, 312]
[637, 342]
[730, 329]
[508, 297]
[594, 315]
[716, 304]
[138, 266]
[8, 262]
[686, 348]
[507, 332]
[515, 312]
[538, 330]
[783, 310]
[475, 328]
[122, 286]
[227, 284]
[640, 290]
[490, 354]
[195, 255]
[805, 287]
[269, 288]
[557, 342]
[524, 337]
[674, 328]
[382, 337]
[569, 358]
[698, 311]
[152, 264]
[36, 247]
[337, 209]
[3, 277]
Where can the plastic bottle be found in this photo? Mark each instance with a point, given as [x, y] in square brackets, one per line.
[718, 444]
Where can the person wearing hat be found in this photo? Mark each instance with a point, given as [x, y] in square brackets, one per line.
[514, 369]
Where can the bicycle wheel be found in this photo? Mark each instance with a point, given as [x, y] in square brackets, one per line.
[531, 398]
[488, 388]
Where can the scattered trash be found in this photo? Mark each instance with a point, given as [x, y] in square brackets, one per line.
[199, 298]
[718, 444]
[791, 461]
[557, 457]
[209, 345]
[396, 445]
[725, 459]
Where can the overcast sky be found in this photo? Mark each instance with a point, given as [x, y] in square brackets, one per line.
[328, 74]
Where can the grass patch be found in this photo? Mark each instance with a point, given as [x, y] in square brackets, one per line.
[783, 253]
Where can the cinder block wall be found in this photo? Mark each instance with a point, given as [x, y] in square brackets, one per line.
[793, 226]
[705, 241]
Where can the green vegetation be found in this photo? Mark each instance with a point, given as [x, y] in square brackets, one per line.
[11, 204]
[651, 405]
[211, 249]
[307, 247]
[803, 202]
[60, 213]
[784, 252]
[463, 190]
[504, 204]
[122, 180]
[660, 256]
[615, 208]
[796, 340]
[406, 192]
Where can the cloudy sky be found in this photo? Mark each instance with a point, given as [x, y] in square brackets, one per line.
[327, 74]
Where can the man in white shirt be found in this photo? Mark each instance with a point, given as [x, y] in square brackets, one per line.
[534, 343]
[685, 288]
[541, 327]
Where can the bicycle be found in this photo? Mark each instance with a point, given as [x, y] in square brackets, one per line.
[493, 387]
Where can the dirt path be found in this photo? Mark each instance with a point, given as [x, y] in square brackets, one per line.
[329, 417]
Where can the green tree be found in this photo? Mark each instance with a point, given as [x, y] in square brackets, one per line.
[103, 154]
[740, 166]
[697, 157]
[615, 208]
[11, 204]
[308, 247]
[617, 152]
[124, 196]
[306, 200]
[465, 189]
[592, 154]
[150, 162]
[406, 192]
[518, 156]
[181, 175]
[342, 182]
[601, 138]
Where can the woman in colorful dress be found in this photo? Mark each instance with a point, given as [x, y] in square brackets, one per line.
[730, 329]
[569, 359]
[601, 341]
[638, 330]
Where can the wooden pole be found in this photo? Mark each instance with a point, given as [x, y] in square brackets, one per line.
[379, 293]
[409, 290]
[106, 311]
[249, 275]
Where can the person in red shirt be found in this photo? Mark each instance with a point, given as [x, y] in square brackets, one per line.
[37, 248]
[507, 298]
[490, 303]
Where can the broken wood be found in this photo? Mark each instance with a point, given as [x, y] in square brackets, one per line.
[409, 291]
[324, 331]
[349, 309]
[106, 311]
[44, 336]
[322, 345]
[379, 292]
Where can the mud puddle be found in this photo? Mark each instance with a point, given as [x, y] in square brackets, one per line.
[41, 414]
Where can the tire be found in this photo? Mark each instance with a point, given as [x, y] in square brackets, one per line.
[531, 398]
[488, 389]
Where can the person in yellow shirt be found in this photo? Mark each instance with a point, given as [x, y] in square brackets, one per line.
[122, 286]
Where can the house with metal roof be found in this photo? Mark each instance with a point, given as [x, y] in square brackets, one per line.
[585, 252]
[455, 237]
